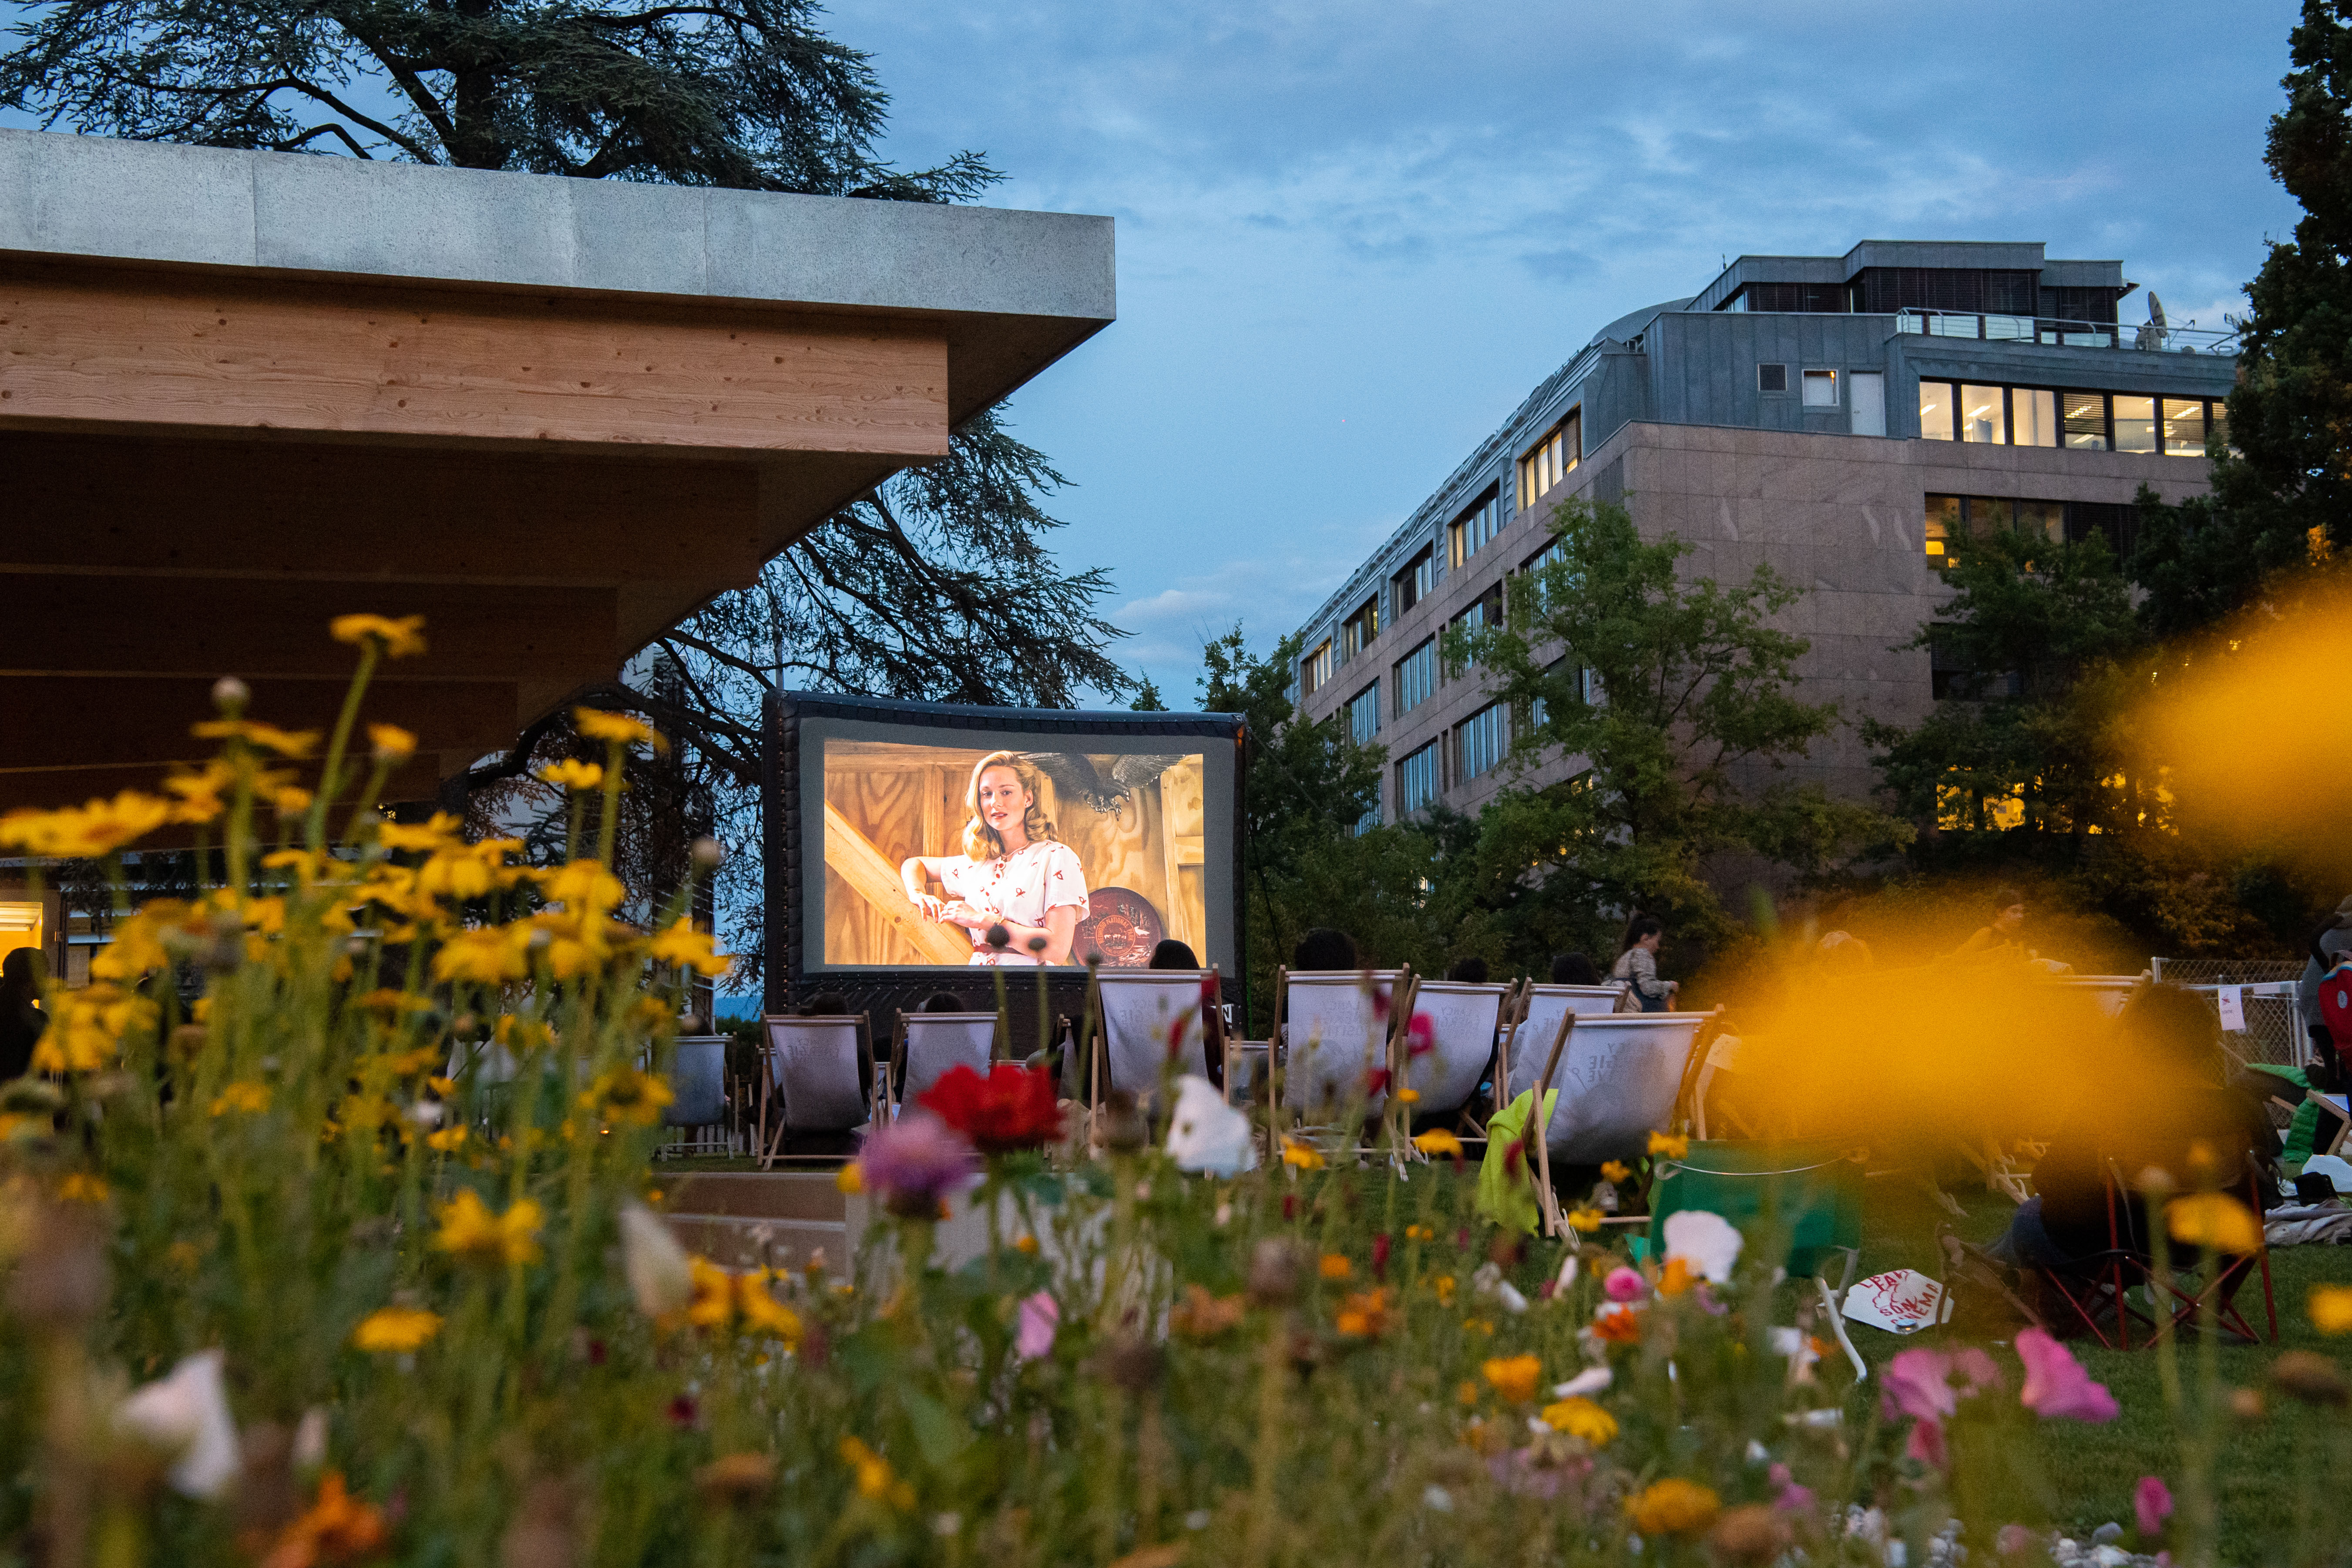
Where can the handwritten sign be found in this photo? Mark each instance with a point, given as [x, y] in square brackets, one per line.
[1901, 1301]
[2231, 999]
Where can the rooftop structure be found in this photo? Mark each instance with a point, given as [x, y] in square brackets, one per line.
[1840, 417]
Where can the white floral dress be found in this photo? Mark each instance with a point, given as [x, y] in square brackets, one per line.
[1017, 888]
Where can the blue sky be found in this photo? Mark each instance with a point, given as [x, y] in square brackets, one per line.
[1352, 237]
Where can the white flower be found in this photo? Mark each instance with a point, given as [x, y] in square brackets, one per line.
[310, 1438]
[655, 1263]
[1204, 1133]
[1437, 1499]
[186, 1414]
[1708, 1242]
[1584, 1385]
[1567, 1274]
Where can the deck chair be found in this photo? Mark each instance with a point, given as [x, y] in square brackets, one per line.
[1245, 1070]
[1464, 1024]
[1335, 1034]
[1799, 1207]
[698, 1081]
[1618, 1079]
[1536, 1024]
[924, 1046]
[1136, 1012]
[822, 1072]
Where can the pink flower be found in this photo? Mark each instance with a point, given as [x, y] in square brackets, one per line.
[2056, 1386]
[2152, 1505]
[1040, 1316]
[1917, 1384]
[2013, 1539]
[1624, 1285]
[1927, 1443]
[915, 1162]
[1419, 1036]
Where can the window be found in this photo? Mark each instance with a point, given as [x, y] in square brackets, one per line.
[1416, 676]
[1944, 524]
[1820, 389]
[1483, 740]
[1359, 628]
[1984, 415]
[2036, 412]
[2135, 424]
[1869, 401]
[1771, 378]
[1473, 529]
[1314, 668]
[1417, 780]
[1364, 714]
[2085, 413]
[1486, 612]
[1412, 585]
[1935, 410]
[2184, 426]
[1973, 517]
[1551, 459]
[1539, 710]
[2042, 519]
[2216, 418]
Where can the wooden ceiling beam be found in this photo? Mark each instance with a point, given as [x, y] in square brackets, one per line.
[74, 722]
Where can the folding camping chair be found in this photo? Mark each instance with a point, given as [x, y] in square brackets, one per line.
[822, 1070]
[1464, 1023]
[924, 1046]
[1797, 1204]
[1145, 1018]
[1342, 1025]
[2105, 1280]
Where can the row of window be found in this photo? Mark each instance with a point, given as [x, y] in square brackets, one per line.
[2084, 421]
[1551, 459]
[2060, 522]
[1479, 744]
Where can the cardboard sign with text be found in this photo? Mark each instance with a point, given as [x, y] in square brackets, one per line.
[1901, 1301]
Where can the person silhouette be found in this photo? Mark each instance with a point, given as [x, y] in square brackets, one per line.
[21, 1018]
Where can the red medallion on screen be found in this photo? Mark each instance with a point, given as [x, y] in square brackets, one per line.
[1120, 925]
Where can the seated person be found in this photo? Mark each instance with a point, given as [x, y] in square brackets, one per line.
[944, 1002]
[1574, 969]
[2166, 1104]
[1172, 954]
[1324, 947]
[828, 1004]
[1999, 939]
[1471, 970]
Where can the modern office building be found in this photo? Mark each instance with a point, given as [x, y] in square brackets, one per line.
[1840, 418]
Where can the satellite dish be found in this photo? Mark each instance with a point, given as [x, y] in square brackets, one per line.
[2155, 309]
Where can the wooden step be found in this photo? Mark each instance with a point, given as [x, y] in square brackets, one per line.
[807, 1195]
[735, 1241]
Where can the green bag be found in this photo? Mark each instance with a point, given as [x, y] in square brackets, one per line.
[1807, 1195]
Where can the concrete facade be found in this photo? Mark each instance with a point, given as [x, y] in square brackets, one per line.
[1675, 423]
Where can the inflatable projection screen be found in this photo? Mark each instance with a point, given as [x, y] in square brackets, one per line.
[898, 833]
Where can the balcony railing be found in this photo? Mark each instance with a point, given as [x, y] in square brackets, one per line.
[1994, 328]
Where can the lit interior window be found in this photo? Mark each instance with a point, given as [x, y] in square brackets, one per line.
[1983, 416]
[1935, 410]
[2184, 426]
[2135, 424]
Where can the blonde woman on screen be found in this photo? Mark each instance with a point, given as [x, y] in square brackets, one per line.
[1013, 871]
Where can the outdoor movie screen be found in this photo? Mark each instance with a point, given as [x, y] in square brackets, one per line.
[1076, 844]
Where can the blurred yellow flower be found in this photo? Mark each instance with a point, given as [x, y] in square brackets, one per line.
[847, 1179]
[683, 946]
[875, 1479]
[1408, 1097]
[1438, 1140]
[390, 744]
[245, 1097]
[573, 774]
[81, 1187]
[295, 743]
[446, 1139]
[1335, 1266]
[1581, 1418]
[291, 800]
[714, 1294]
[487, 955]
[395, 1331]
[1306, 1156]
[470, 1231]
[1675, 1278]
[200, 792]
[1674, 1506]
[401, 637]
[2215, 1220]
[762, 1312]
[1025, 1244]
[455, 873]
[91, 1022]
[137, 944]
[1443, 1285]
[1364, 1315]
[2331, 1308]
[97, 827]
[1615, 1170]
[585, 887]
[438, 831]
[1514, 1377]
[599, 725]
[1671, 1146]
[1586, 1220]
[627, 1096]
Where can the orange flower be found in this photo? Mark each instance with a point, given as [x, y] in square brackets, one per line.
[1618, 1326]
[1676, 1278]
[1365, 1314]
[338, 1528]
[1514, 1377]
[400, 638]
[1674, 1506]
[1335, 1266]
[1202, 1316]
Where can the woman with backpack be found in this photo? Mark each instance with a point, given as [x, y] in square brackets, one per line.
[1636, 968]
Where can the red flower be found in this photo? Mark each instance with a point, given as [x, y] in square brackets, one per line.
[1209, 996]
[1012, 1107]
[1376, 1082]
[1421, 1036]
[1381, 1256]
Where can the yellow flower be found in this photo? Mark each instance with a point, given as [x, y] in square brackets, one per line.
[1443, 1285]
[2331, 1308]
[1335, 1266]
[627, 1096]
[395, 1331]
[684, 947]
[573, 774]
[137, 944]
[391, 743]
[875, 1477]
[91, 1022]
[1306, 1156]
[200, 792]
[455, 873]
[1420, 1233]
[400, 638]
[1581, 1418]
[1675, 1278]
[85, 832]
[1514, 1377]
[291, 800]
[295, 743]
[1674, 1506]
[1586, 1220]
[488, 955]
[470, 1231]
[447, 1139]
[438, 831]
[847, 1179]
[1673, 1148]
[764, 1313]
[599, 725]
[245, 1097]
[1438, 1140]
[185, 1256]
[713, 1303]
[1408, 1097]
[2215, 1220]
[1364, 1315]
[585, 888]
[81, 1187]
[1615, 1170]
[1024, 1244]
